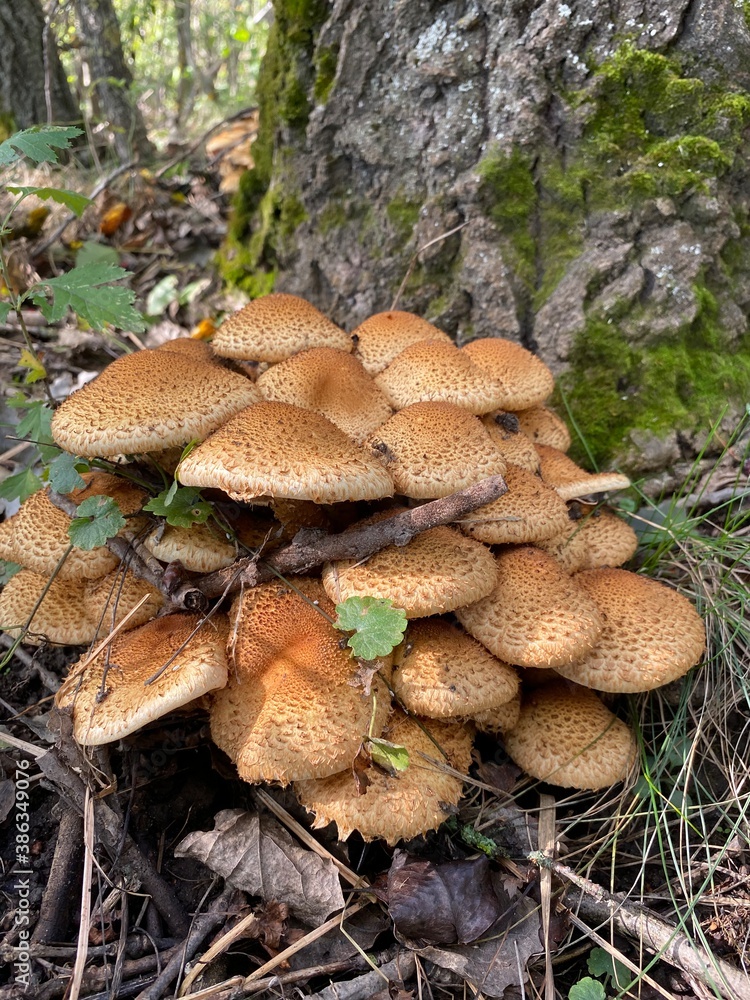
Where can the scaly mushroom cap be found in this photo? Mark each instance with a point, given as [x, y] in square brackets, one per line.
[385, 335]
[190, 347]
[37, 535]
[566, 736]
[109, 600]
[528, 380]
[404, 805]
[275, 327]
[279, 450]
[595, 540]
[193, 651]
[199, 548]
[506, 435]
[441, 672]
[291, 709]
[438, 571]
[570, 480]
[148, 401]
[500, 718]
[543, 426]
[536, 616]
[435, 449]
[529, 511]
[332, 383]
[61, 617]
[432, 370]
[652, 635]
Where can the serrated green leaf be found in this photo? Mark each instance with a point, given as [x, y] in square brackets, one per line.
[391, 756]
[587, 989]
[20, 486]
[97, 253]
[38, 143]
[8, 570]
[377, 626]
[63, 473]
[182, 506]
[99, 518]
[5, 310]
[35, 425]
[35, 368]
[88, 291]
[77, 203]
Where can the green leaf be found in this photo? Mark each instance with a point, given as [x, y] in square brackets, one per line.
[99, 518]
[20, 486]
[390, 756]
[35, 425]
[478, 840]
[376, 624]
[38, 143]
[587, 989]
[601, 963]
[161, 295]
[182, 506]
[64, 473]
[35, 368]
[97, 253]
[77, 203]
[8, 569]
[5, 310]
[88, 291]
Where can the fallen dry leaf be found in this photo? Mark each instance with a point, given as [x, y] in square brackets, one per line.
[256, 854]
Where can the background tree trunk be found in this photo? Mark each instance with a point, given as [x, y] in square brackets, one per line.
[33, 87]
[111, 78]
[595, 155]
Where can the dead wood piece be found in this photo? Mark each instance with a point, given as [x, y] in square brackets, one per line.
[401, 969]
[55, 910]
[649, 930]
[94, 978]
[203, 925]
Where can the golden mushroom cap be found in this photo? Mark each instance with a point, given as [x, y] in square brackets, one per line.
[537, 615]
[404, 805]
[436, 371]
[529, 511]
[190, 347]
[280, 450]
[380, 338]
[652, 634]
[275, 327]
[61, 617]
[543, 426]
[516, 447]
[597, 539]
[111, 599]
[437, 571]
[500, 718]
[566, 736]
[528, 380]
[435, 449]
[570, 480]
[37, 535]
[192, 650]
[332, 383]
[441, 672]
[200, 548]
[149, 401]
[291, 709]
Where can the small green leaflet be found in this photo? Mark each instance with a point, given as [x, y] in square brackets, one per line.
[99, 518]
[161, 295]
[601, 963]
[20, 486]
[587, 989]
[5, 310]
[35, 425]
[376, 624]
[39, 144]
[35, 368]
[8, 569]
[478, 840]
[182, 506]
[63, 473]
[389, 756]
[88, 291]
[77, 203]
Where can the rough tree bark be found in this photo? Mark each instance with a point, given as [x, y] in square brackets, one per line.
[594, 152]
[111, 77]
[33, 86]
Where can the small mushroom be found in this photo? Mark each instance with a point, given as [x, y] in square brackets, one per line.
[380, 338]
[570, 480]
[529, 381]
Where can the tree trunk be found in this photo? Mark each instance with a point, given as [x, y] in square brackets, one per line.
[595, 155]
[111, 78]
[33, 87]
[185, 60]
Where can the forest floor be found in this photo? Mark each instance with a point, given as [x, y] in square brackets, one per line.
[646, 892]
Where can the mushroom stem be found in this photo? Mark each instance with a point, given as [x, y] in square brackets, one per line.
[308, 549]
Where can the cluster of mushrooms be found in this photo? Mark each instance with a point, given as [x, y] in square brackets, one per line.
[518, 614]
